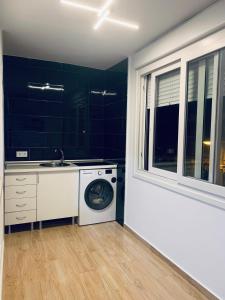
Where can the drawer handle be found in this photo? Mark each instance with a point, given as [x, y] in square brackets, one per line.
[20, 218]
[21, 179]
[21, 205]
[21, 193]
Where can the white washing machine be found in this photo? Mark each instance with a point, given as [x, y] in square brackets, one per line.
[97, 197]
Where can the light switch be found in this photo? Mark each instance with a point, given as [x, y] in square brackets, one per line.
[21, 154]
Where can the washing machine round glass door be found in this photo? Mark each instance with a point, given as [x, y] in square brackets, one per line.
[99, 194]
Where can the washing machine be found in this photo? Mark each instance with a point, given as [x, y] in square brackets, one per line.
[97, 195]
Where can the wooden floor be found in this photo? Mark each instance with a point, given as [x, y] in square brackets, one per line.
[98, 262]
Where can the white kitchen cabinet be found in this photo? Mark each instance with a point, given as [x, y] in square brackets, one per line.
[57, 195]
[20, 179]
[20, 198]
[20, 217]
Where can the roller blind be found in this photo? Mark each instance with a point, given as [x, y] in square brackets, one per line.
[209, 77]
[168, 88]
[193, 82]
[193, 79]
[148, 91]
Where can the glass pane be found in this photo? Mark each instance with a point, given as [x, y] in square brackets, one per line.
[220, 145]
[146, 145]
[221, 168]
[166, 121]
[147, 123]
[199, 118]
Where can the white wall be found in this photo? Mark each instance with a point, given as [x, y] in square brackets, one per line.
[189, 232]
[1, 166]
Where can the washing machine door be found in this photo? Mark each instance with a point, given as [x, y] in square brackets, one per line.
[99, 194]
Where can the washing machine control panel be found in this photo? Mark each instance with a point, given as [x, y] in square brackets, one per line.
[109, 171]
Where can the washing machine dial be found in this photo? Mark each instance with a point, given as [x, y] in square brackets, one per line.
[99, 172]
[113, 180]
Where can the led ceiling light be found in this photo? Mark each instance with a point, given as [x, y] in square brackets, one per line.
[122, 23]
[81, 6]
[103, 14]
[105, 7]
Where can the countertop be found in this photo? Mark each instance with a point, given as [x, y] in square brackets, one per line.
[35, 167]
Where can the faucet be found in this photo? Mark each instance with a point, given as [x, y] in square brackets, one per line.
[62, 155]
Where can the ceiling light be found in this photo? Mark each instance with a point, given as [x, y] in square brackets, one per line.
[103, 14]
[101, 20]
[123, 23]
[81, 6]
[105, 7]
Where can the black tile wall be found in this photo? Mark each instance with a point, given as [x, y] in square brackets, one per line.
[115, 115]
[85, 125]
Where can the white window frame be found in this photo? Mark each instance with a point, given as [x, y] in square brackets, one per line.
[154, 76]
[195, 188]
[197, 184]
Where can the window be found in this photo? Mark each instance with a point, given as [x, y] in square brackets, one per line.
[202, 81]
[181, 111]
[205, 131]
[147, 124]
[160, 120]
[166, 121]
[220, 145]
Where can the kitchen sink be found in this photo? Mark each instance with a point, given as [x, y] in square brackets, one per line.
[55, 164]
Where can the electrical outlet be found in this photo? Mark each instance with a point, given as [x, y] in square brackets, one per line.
[21, 154]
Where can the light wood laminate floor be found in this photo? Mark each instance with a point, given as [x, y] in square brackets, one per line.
[99, 262]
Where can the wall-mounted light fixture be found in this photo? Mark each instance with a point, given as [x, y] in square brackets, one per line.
[103, 93]
[46, 86]
[102, 13]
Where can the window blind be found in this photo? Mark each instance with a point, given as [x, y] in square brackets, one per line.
[148, 91]
[168, 88]
[209, 77]
[193, 82]
[193, 79]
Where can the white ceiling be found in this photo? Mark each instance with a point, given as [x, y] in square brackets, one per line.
[48, 30]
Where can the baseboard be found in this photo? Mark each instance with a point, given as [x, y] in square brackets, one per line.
[1, 269]
[209, 295]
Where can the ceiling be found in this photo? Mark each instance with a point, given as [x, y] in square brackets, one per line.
[49, 30]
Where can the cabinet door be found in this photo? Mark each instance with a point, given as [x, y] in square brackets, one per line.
[57, 195]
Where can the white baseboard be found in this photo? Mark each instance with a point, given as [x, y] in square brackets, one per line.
[194, 281]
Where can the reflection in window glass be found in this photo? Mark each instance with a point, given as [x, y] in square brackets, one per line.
[147, 124]
[166, 121]
[220, 144]
[221, 167]
[199, 118]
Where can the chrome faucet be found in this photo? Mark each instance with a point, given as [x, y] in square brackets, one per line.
[62, 155]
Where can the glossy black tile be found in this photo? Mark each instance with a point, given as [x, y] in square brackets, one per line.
[84, 124]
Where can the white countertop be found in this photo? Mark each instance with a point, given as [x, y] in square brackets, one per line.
[12, 168]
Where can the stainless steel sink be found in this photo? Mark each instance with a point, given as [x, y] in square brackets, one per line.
[55, 164]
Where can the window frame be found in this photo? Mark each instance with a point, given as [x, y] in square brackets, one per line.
[182, 57]
[154, 76]
[191, 182]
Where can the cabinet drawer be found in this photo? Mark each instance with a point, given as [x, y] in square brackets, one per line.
[20, 179]
[14, 205]
[17, 192]
[20, 217]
